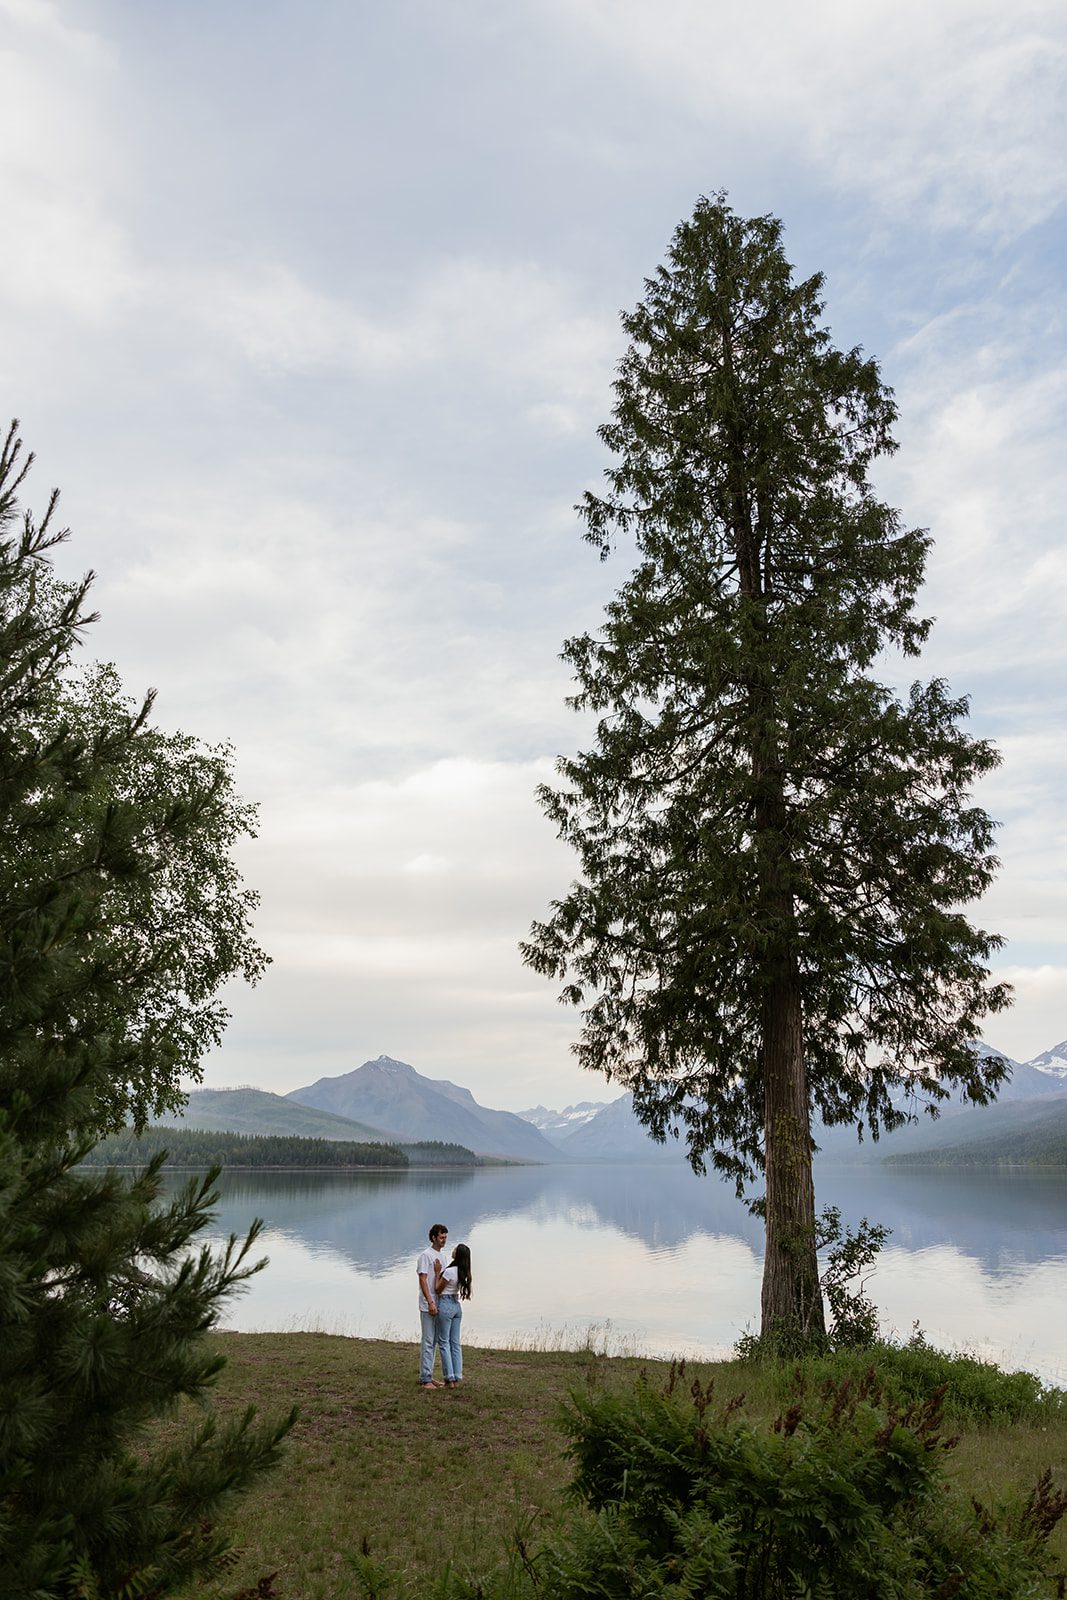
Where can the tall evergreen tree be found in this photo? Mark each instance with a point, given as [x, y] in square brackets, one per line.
[104, 1303]
[774, 846]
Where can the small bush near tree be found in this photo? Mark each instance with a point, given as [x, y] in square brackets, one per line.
[846, 1264]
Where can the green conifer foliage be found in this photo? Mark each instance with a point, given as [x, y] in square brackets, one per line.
[104, 1300]
[774, 847]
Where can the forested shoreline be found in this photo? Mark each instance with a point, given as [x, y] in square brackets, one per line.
[195, 1149]
[1030, 1148]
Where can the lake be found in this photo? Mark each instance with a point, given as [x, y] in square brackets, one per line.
[650, 1257]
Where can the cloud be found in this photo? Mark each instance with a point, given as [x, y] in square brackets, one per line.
[517, 324]
[321, 398]
[43, 21]
[59, 167]
[393, 910]
[358, 632]
[1028, 902]
[453, 852]
[1038, 1021]
[983, 400]
[953, 111]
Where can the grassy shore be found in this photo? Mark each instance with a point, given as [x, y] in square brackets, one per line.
[423, 1477]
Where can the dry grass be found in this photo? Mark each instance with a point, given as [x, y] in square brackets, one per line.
[423, 1477]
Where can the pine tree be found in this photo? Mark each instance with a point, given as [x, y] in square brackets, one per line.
[104, 1302]
[774, 846]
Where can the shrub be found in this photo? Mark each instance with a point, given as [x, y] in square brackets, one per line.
[847, 1261]
[976, 1393]
[844, 1496]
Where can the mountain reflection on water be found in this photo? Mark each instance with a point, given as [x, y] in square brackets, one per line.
[376, 1221]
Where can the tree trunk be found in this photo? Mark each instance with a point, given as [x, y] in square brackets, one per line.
[791, 1299]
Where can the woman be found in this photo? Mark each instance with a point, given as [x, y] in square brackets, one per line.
[453, 1285]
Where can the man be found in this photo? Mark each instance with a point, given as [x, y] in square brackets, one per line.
[426, 1268]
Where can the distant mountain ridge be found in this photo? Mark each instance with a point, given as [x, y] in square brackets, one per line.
[1028, 1078]
[390, 1094]
[257, 1111]
[386, 1100]
[556, 1125]
[1021, 1133]
[614, 1133]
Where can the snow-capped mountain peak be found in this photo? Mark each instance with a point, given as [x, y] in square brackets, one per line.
[1053, 1061]
[557, 1124]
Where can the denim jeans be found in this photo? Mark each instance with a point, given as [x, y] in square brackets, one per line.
[429, 1345]
[449, 1319]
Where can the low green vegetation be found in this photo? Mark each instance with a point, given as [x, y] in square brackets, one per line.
[844, 1494]
[197, 1149]
[824, 1471]
[977, 1393]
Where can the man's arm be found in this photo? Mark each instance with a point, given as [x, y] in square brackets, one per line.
[428, 1295]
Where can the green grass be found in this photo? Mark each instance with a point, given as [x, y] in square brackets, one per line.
[978, 1394]
[426, 1477]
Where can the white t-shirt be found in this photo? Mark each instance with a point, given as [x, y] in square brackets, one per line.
[428, 1263]
[451, 1280]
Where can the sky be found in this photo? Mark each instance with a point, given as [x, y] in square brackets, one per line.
[311, 308]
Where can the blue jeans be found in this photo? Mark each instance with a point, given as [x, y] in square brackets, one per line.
[449, 1320]
[429, 1344]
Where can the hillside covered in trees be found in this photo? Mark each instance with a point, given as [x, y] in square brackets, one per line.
[196, 1148]
[1025, 1147]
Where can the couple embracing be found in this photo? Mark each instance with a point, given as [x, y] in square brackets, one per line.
[441, 1288]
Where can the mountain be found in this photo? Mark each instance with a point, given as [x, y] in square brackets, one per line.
[1021, 1133]
[391, 1094]
[555, 1125]
[615, 1134]
[1053, 1061]
[1028, 1078]
[1027, 1092]
[256, 1111]
[388, 1101]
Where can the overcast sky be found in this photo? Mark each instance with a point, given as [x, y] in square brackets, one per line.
[311, 307]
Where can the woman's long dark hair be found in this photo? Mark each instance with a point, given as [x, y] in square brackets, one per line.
[462, 1261]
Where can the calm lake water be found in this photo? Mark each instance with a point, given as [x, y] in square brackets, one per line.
[649, 1256]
